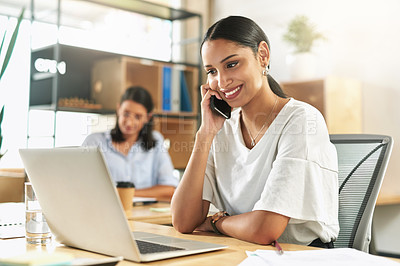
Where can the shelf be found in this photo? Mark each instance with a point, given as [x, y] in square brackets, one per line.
[179, 133]
[147, 8]
[50, 107]
[136, 6]
[68, 73]
[42, 76]
[338, 100]
[85, 110]
[112, 76]
[177, 115]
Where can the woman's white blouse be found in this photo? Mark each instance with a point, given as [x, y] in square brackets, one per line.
[292, 171]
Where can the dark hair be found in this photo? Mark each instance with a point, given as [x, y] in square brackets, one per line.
[142, 96]
[244, 32]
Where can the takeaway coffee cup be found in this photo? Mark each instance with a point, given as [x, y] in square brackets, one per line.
[126, 192]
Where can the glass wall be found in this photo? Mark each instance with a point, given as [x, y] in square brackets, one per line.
[82, 25]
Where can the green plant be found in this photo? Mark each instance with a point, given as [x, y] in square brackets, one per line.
[7, 60]
[302, 34]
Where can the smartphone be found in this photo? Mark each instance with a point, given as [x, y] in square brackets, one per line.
[220, 107]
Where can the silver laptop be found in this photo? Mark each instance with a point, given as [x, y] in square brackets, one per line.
[83, 209]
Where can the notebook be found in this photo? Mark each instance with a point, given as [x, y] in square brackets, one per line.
[83, 210]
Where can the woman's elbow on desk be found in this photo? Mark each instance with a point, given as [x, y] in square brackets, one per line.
[182, 225]
[181, 228]
[262, 237]
[260, 227]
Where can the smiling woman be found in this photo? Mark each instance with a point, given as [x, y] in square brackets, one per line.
[133, 151]
[278, 180]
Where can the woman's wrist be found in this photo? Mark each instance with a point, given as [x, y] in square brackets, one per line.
[203, 132]
[218, 217]
[203, 141]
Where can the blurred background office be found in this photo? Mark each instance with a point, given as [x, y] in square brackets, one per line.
[361, 45]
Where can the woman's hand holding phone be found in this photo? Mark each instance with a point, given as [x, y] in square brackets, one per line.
[211, 121]
[220, 107]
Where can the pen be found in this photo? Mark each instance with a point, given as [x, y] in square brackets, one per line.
[278, 247]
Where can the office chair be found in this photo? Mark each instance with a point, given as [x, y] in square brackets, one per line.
[363, 160]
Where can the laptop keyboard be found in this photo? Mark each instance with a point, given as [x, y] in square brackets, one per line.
[148, 247]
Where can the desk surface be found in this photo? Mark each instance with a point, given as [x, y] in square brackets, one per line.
[234, 254]
[384, 199]
[155, 213]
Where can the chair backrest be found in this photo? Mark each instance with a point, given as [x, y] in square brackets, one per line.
[363, 160]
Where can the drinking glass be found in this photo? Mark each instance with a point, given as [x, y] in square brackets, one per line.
[37, 230]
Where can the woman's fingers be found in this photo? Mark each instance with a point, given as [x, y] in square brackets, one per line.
[214, 88]
[203, 89]
[211, 88]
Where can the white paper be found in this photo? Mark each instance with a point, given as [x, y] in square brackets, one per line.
[12, 212]
[143, 199]
[325, 257]
[12, 220]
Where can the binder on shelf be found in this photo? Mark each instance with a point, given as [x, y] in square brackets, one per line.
[171, 95]
[175, 90]
[166, 88]
[186, 104]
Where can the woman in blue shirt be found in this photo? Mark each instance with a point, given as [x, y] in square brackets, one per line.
[133, 151]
